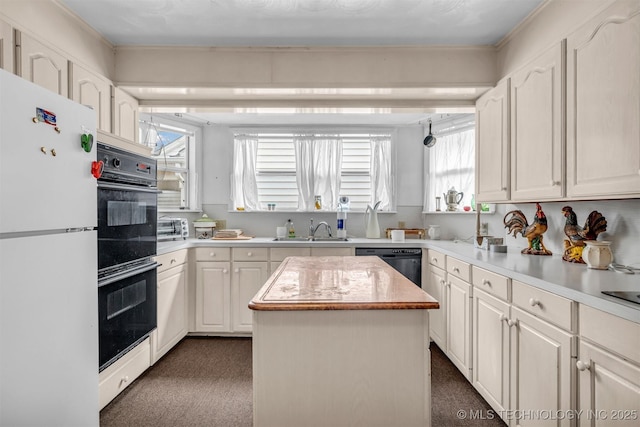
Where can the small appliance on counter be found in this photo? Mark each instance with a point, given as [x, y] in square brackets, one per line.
[204, 227]
[172, 228]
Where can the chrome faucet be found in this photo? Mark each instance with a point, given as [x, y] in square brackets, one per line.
[314, 230]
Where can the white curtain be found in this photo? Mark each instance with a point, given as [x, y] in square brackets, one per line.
[318, 170]
[451, 164]
[244, 191]
[381, 177]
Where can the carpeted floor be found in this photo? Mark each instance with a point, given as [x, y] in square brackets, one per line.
[207, 382]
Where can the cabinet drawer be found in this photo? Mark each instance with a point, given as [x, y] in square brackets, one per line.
[491, 283]
[458, 268]
[213, 254]
[437, 259]
[611, 332]
[250, 254]
[279, 254]
[118, 376]
[547, 306]
[171, 259]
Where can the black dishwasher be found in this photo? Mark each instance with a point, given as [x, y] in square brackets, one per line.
[407, 261]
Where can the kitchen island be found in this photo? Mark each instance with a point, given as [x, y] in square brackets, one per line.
[341, 341]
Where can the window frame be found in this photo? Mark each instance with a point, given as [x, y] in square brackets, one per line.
[375, 131]
[194, 138]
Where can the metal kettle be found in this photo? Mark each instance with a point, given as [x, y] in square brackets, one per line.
[453, 198]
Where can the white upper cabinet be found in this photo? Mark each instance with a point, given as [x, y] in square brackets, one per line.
[6, 46]
[603, 105]
[537, 137]
[88, 88]
[492, 144]
[125, 115]
[42, 65]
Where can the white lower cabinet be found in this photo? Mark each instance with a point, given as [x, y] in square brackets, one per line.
[491, 349]
[458, 314]
[213, 296]
[541, 371]
[436, 286]
[246, 280]
[608, 370]
[172, 298]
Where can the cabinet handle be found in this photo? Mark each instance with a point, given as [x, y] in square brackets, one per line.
[225, 271]
[486, 282]
[442, 282]
[212, 254]
[456, 270]
[237, 270]
[533, 302]
[249, 253]
[554, 183]
[511, 322]
[173, 260]
[503, 317]
[124, 379]
[504, 188]
[582, 366]
[434, 260]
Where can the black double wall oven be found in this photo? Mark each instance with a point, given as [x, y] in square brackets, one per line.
[127, 240]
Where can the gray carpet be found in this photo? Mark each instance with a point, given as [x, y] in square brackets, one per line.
[207, 382]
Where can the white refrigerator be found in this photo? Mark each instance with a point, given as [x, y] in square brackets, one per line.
[48, 259]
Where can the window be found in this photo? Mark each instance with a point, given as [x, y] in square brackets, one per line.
[289, 169]
[173, 146]
[451, 164]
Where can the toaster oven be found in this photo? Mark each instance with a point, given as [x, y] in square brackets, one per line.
[172, 228]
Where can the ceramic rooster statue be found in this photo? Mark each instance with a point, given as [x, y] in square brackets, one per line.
[576, 235]
[517, 223]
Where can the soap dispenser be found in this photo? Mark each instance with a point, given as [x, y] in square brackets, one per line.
[291, 231]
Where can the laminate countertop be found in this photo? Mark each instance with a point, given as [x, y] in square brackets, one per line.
[549, 273]
[339, 283]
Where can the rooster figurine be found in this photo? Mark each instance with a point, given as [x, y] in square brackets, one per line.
[576, 235]
[518, 223]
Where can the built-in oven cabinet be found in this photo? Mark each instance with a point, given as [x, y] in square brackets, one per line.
[114, 379]
[172, 298]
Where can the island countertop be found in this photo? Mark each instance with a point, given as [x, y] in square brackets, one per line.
[339, 283]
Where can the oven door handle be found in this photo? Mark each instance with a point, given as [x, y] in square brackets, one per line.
[111, 186]
[128, 273]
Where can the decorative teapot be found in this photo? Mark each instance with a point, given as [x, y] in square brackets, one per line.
[452, 198]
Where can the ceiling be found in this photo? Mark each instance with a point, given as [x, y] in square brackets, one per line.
[277, 23]
[302, 22]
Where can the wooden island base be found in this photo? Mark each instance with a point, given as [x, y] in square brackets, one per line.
[342, 366]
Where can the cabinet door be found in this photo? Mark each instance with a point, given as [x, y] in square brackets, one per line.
[537, 145]
[541, 369]
[436, 286]
[172, 310]
[125, 115]
[492, 144]
[6, 46]
[491, 349]
[42, 65]
[213, 297]
[608, 388]
[248, 278]
[91, 89]
[459, 324]
[603, 105]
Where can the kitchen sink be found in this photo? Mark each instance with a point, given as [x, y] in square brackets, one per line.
[311, 239]
[329, 239]
[291, 239]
